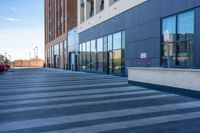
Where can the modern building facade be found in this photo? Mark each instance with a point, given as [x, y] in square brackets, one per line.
[117, 34]
[60, 18]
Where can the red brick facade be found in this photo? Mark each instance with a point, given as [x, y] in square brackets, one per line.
[60, 17]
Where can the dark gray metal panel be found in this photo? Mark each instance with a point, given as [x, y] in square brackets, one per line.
[155, 9]
[131, 18]
[143, 13]
[166, 7]
[154, 30]
[193, 3]
[132, 34]
[131, 50]
[153, 48]
[179, 5]
[143, 31]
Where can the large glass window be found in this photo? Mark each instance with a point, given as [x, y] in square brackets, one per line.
[100, 54]
[88, 55]
[84, 56]
[56, 58]
[186, 26]
[123, 52]
[117, 40]
[169, 29]
[117, 52]
[81, 56]
[93, 55]
[104, 54]
[110, 54]
[178, 40]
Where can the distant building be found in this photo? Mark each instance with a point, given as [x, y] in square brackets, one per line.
[60, 18]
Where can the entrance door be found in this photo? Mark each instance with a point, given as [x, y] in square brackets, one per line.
[73, 61]
[54, 61]
[110, 62]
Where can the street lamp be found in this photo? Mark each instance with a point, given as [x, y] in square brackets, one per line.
[36, 48]
[29, 55]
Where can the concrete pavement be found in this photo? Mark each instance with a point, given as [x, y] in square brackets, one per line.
[46, 100]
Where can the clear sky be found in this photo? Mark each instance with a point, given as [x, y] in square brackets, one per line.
[21, 28]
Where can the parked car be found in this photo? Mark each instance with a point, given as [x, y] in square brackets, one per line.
[2, 67]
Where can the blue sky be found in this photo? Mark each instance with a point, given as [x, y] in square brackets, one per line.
[21, 27]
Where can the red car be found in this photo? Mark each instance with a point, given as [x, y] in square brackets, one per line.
[2, 67]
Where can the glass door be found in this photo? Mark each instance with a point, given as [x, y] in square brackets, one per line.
[110, 62]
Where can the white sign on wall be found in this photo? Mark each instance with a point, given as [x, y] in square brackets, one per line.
[143, 55]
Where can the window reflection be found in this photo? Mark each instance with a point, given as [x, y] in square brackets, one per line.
[88, 55]
[178, 40]
[105, 54]
[169, 29]
[100, 54]
[84, 56]
[93, 55]
[186, 26]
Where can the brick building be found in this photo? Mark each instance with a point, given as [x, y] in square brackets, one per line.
[60, 18]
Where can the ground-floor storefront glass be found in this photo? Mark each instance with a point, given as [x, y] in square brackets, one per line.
[105, 54]
[178, 40]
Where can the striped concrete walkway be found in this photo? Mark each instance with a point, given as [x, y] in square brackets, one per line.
[56, 101]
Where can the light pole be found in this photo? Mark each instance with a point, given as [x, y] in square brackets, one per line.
[34, 53]
[29, 55]
[36, 48]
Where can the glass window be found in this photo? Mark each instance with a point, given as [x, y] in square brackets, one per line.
[61, 55]
[84, 56]
[56, 58]
[93, 55]
[123, 52]
[183, 52]
[88, 55]
[178, 41]
[168, 54]
[72, 37]
[81, 57]
[110, 43]
[169, 29]
[100, 54]
[105, 54]
[117, 40]
[186, 26]
[117, 61]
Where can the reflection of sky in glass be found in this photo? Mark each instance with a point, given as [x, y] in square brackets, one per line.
[169, 27]
[73, 37]
[186, 23]
[117, 40]
[93, 47]
[100, 44]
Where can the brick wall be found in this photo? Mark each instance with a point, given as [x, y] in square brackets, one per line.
[71, 14]
[29, 63]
